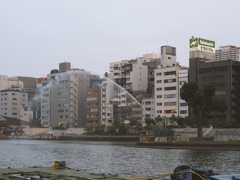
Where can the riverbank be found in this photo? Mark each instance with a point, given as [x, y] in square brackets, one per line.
[212, 145]
[80, 138]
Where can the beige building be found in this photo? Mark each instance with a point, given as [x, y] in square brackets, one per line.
[228, 52]
[14, 104]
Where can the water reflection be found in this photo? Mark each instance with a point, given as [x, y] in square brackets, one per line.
[113, 157]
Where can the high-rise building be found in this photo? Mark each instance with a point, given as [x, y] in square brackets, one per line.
[228, 52]
[64, 97]
[167, 85]
[93, 107]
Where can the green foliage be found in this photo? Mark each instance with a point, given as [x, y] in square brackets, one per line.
[201, 102]
[133, 122]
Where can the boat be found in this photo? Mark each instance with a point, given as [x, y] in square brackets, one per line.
[185, 172]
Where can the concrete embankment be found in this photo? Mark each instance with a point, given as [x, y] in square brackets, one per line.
[204, 146]
[81, 138]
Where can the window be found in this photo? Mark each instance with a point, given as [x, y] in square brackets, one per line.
[62, 93]
[92, 116]
[14, 113]
[159, 74]
[159, 96]
[170, 88]
[62, 99]
[220, 92]
[169, 80]
[159, 111]
[159, 81]
[170, 111]
[170, 103]
[14, 108]
[170, 73]
[13, 103]
[183, 112]
[92, 99]
[24, 95]
[62, 105]
[62, 110]
[183, 104]
[159, 104]
[92, 110]
[182, 82]
[159, 89]
[5, 98]
[92, 104]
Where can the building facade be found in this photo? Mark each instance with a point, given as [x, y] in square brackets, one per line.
[64, 97]
[228, 52]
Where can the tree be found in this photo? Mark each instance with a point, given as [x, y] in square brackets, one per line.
[201, 101]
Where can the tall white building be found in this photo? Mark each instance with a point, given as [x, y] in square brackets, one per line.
[167, 86]
[228, 52]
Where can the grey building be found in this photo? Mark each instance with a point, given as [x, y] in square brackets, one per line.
[64, 97]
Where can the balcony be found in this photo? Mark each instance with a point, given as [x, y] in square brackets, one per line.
[137, 115]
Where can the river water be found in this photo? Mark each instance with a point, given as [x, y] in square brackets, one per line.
[113, 157]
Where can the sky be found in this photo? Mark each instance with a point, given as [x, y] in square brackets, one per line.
[35, 36]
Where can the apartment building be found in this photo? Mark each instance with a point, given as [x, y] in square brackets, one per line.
[228, 52]
[93, 107]
[132, 76]
[108, 93]
[167, 85]
[29, 85]
[14, 104]
[64, 96]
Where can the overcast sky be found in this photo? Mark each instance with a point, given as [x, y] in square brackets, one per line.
[37, 35]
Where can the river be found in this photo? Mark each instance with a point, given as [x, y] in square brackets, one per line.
[113, 157]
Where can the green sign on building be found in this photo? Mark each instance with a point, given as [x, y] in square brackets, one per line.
[202, 45]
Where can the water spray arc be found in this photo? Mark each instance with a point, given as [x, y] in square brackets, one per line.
[131, 97]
